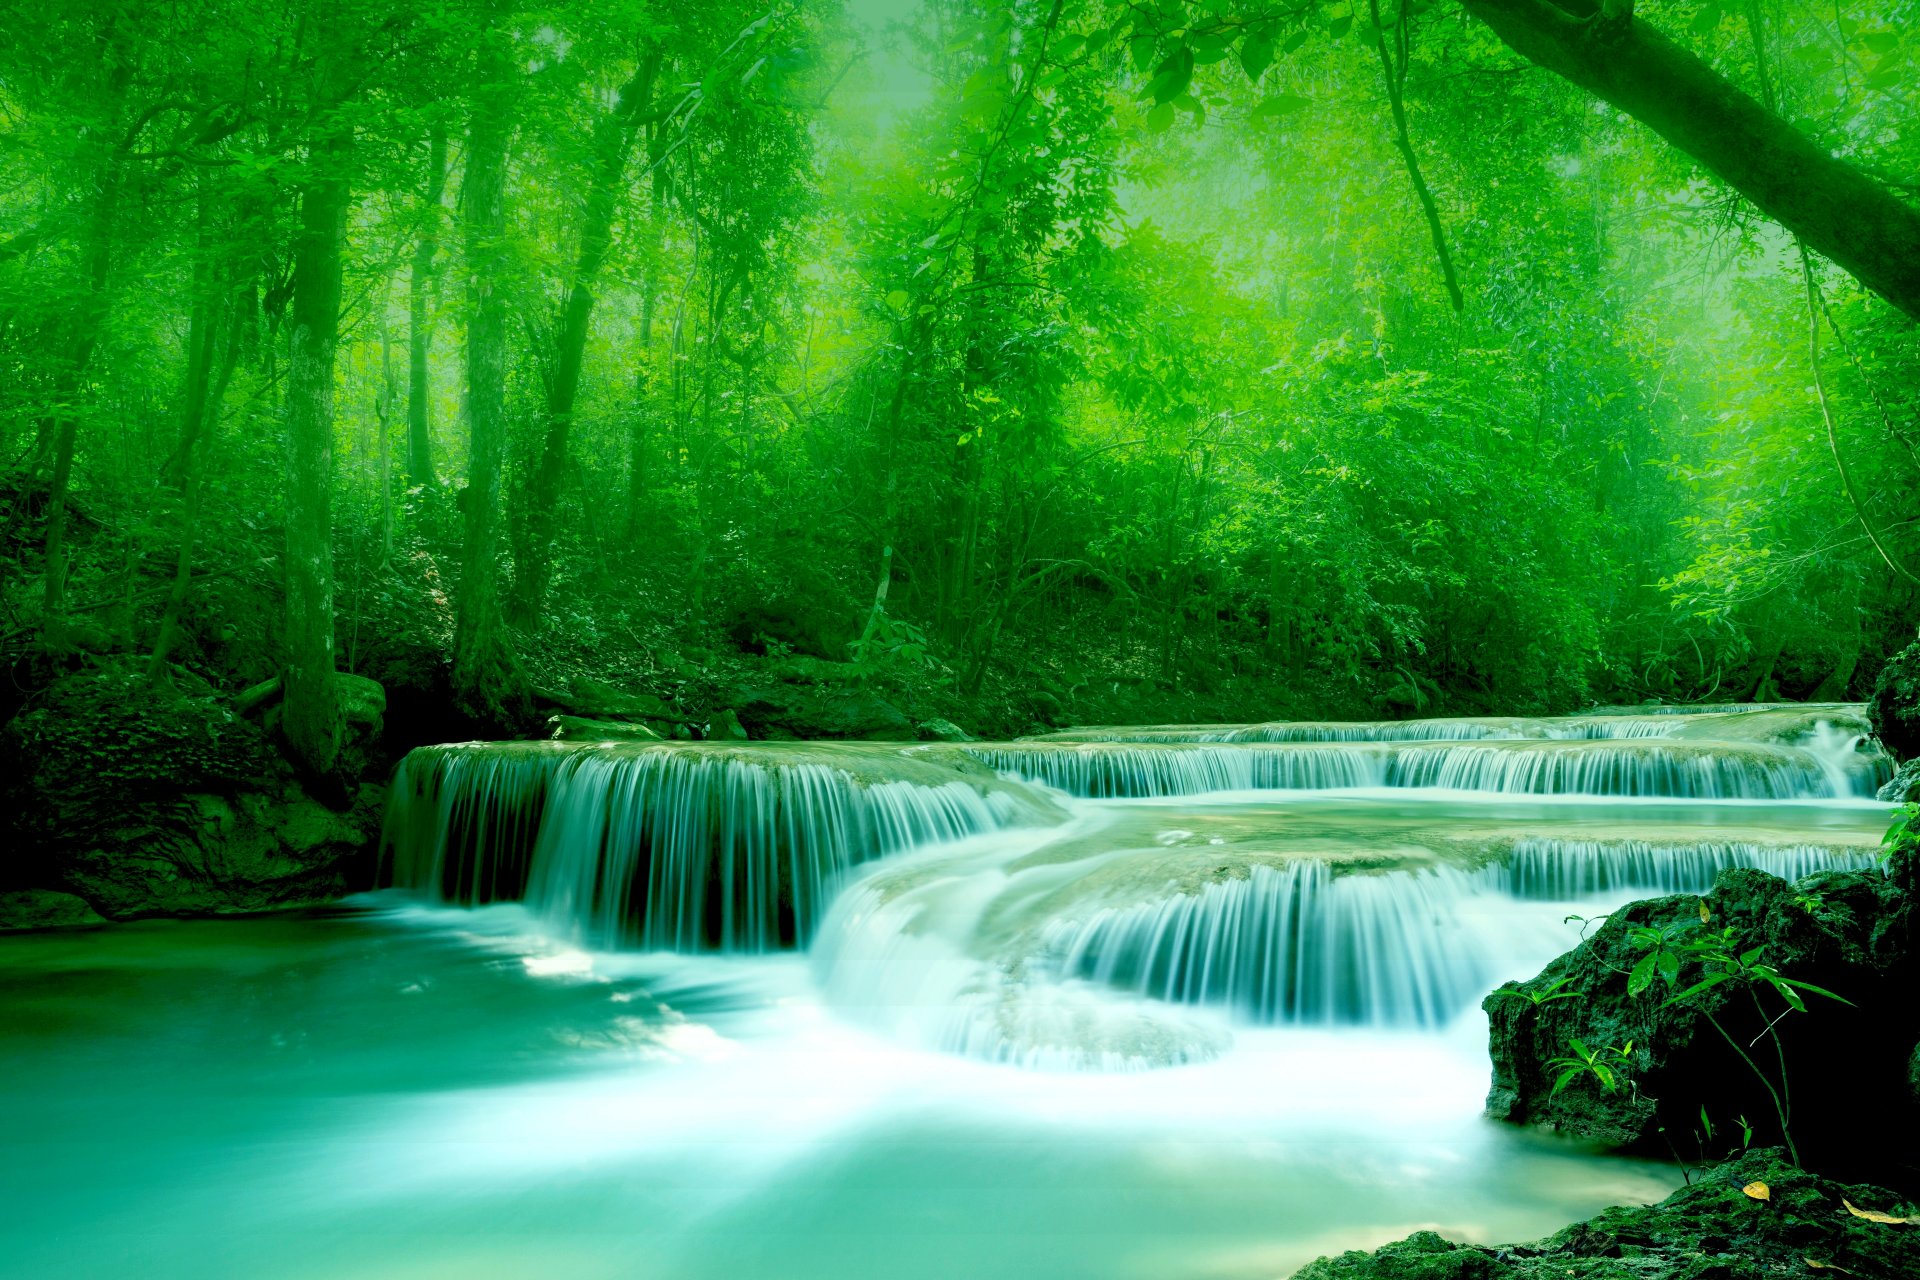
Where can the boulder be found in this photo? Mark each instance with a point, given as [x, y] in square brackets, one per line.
[1847, 932]
[1713, 1229]
[726, 727]
[769, 709]
[143, 801]
[937, 730]
[1894, 709]
[598, 700]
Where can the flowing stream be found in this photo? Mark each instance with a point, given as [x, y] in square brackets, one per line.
[1171, 1001]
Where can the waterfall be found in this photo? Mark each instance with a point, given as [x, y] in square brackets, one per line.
[1299, 943]
[1557, 870]
[1686, 770]
[673, 847]
[1485, 729]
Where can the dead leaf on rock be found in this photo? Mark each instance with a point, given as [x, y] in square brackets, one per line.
[1705, 915]
[1874, 1215]
[1818, 1265]
[1758, 1190]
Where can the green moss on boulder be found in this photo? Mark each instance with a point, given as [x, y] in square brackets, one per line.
[1711, 1230]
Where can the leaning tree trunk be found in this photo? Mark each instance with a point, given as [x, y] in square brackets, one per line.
[613, 139]
[486, 682]
[419, 330]
[310, 711]
[1835, 208]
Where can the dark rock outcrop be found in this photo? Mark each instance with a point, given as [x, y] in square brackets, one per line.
[776, 709]
[1850, 933]
[1711, 1230]
[1894, 709]
[142, 802]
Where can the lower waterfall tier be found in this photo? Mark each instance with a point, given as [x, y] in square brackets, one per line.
[1138, 935]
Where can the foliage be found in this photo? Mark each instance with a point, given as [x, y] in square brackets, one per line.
[1120, 324]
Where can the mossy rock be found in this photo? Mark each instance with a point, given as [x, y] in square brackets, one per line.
[146, 801]
[1850, 933]
[1894, 709]
[1792, 1223]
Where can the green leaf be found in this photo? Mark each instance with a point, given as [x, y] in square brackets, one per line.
[1566, 1078]
[1706, 21]
[1711, 980]
[1256, 55]
[1280, 104]
[1819, 991]
[1141, 49]
[1161, 117]
[1171, 77]
[1294, 41]
[1340, 26]
[898, 299]
[1642, 976]
[1669, 966]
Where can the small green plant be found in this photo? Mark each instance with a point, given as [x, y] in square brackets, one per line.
[1670, 947]
[1905, 829]
[1552, 991]
[1605, 1065]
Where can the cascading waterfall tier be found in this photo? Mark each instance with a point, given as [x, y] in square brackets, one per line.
[1691, 770]
[1109, 943]
[677, 847]
[1776, 723]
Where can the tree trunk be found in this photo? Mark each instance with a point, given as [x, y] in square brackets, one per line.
[486, 683]
[1836, 209]
[419, 331]
[613, 139]
[310, 715]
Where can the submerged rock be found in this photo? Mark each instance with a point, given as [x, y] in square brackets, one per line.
[582, 729]
[1791, 1223]
[1895, 707]
[1849, 932]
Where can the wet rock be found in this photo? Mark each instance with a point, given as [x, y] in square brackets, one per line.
[1904, 786]
[581, 729]
[142, 801]
[937, 730]
[1711, 1230]
[1894, 709]
[45, 909]
[1847, 932]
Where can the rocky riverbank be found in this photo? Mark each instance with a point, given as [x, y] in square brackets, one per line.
[1749, 1218]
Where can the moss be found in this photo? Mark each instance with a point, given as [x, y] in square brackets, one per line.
[1711, 1230]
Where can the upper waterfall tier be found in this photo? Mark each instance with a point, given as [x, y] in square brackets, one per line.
[682, 847]
[1771, 722]
[1652, 767]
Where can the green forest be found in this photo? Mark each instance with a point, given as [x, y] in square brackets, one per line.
[1007, 364]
